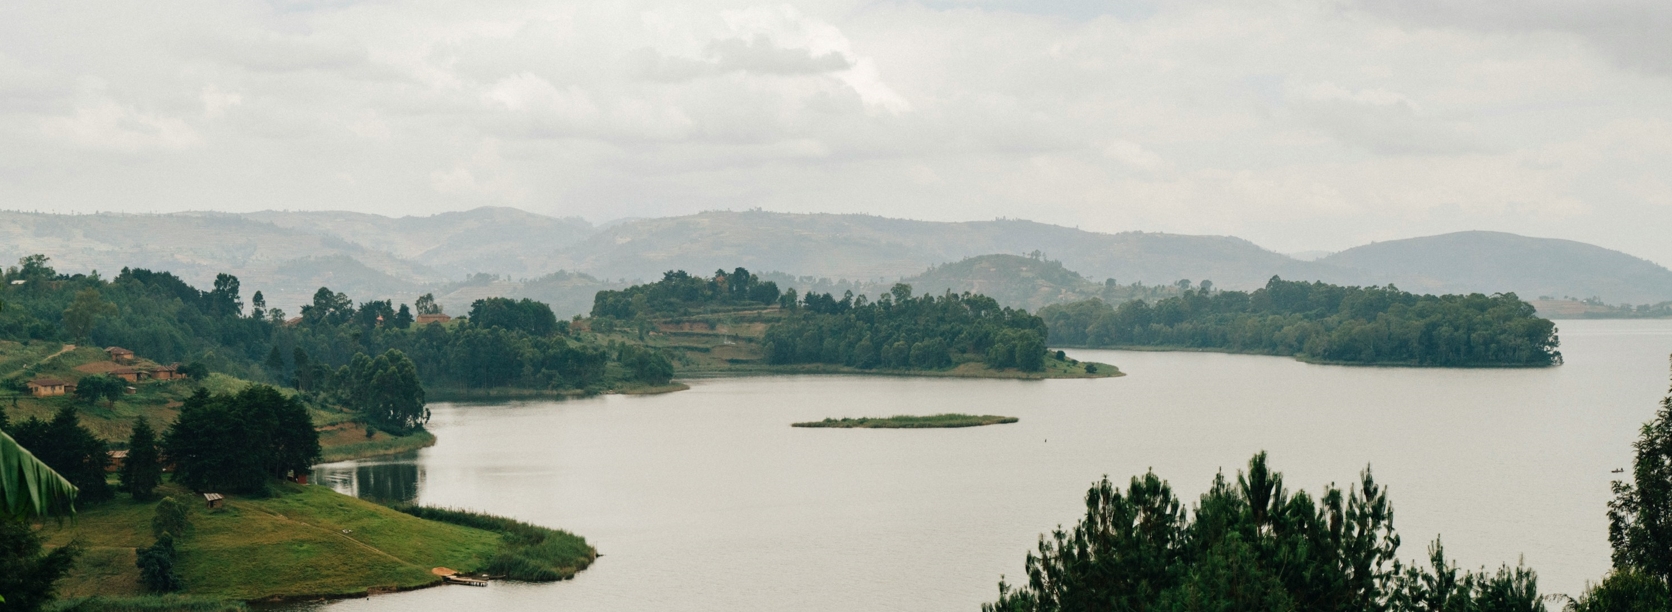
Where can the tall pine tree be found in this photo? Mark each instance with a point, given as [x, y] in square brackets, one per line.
[143, 469]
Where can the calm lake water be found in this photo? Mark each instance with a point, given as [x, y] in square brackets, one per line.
[708, 500]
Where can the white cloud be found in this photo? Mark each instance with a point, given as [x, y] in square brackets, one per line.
[1135, 155]
[1296, 124]
[108, 125]
[216, 102]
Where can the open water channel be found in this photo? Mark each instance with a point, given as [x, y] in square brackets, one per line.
[708, 500]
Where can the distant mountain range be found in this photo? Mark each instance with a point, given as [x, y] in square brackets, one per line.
[500, 251]
[1496, 262]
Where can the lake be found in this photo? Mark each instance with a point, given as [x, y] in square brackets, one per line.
[707, 499]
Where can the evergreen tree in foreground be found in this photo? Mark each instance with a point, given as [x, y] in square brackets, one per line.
[143, 470]
[1640, 528]
[1248, 546]
[69, 449]
[28, 578]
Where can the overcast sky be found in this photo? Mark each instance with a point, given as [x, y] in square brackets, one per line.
[1298, 125]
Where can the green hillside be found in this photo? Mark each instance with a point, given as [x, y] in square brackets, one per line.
[1029, 283]
[301, 541]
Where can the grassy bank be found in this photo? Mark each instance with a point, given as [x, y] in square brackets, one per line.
[349, 441]
[146, 603]
[527, 552]
[461, 394]
[911, 422]
[303, 541]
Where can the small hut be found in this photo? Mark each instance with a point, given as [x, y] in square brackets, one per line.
[120, 355]
[46, 387]
[117, 458]
[128, 374]
[214, 500]
[167, 372]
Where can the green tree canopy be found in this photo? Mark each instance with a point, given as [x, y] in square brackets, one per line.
[102, 386]
[238, 442]
[1640, 516]
[1251, 545]
[899, 331]
[142, 470]
[426, 305]
[28, 577]
[1380, 325]
[386, 391]
[85, 311]
[525, 315]
[678, 292]
[69, 449]
[645, 365]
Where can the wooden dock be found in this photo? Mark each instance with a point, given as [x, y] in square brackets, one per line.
[464, 581]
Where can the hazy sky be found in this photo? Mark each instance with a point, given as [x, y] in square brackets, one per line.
[1299, 125]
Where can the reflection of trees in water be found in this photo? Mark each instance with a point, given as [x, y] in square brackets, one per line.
[388, 481]
[374, 481]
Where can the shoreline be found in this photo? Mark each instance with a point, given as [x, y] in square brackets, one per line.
[380, 448]
[799, 369]
[456, 395]
[1304, 358]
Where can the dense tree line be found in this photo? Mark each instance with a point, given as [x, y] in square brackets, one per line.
[155, 314]
[525, 315]
[385, 390]
[502, 343]
[238, 442]
[1380, 325]
[463, 354]
[899, 331]
[69, 448]
[1251, 545]
[679, 293]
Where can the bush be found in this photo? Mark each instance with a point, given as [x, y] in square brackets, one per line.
[646, 366]
[171, 519]
[156, 566]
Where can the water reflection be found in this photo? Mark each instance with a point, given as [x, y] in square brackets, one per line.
[395, 478]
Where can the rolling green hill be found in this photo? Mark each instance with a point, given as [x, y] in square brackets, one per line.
[1015, 281]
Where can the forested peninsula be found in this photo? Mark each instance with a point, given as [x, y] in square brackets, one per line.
[1323, 323]
[735, 323]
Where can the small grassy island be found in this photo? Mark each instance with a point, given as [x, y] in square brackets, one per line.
[734, 324]
[911, 422]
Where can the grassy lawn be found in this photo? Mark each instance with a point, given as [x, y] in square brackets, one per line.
[304, 541]
[911, 422]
